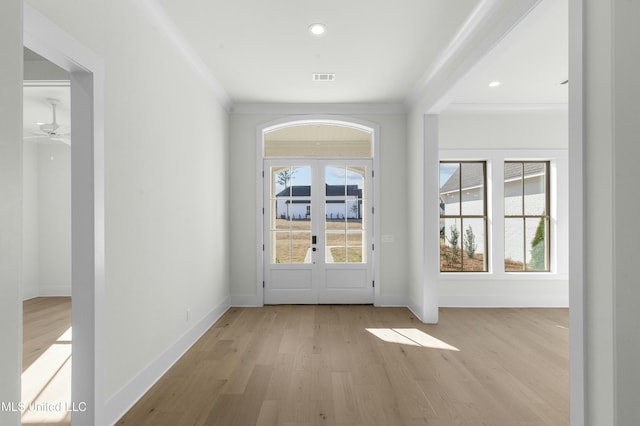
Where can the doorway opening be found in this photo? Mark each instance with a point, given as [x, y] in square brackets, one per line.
[318, 192]
[86, 81]
[46, 285]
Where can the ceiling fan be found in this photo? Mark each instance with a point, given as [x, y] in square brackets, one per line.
[51, 131]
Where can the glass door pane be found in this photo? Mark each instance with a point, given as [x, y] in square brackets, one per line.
[290, 224]
[345, 218]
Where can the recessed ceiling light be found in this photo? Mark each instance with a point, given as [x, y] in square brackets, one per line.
[317, 29]
[494, 84]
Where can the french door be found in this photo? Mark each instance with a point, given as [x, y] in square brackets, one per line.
[318, 231]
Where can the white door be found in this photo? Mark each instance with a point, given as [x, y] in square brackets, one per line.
[318, 231]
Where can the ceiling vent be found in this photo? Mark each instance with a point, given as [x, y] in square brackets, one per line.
[323, 76]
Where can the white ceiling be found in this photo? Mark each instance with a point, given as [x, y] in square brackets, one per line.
[261, 51]
[37, 108]
[531, 62]
[381, 51]
[44, 82]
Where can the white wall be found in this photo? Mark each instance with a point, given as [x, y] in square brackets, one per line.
[30, 222]
[166, 193]
[485, 130]
[10, 207]
[611, 292]
[495, 137]
[54, 220]
[46, 264]
[600, 303]
[599, 272]
[627, 204]
[415, 213]
[391, 178]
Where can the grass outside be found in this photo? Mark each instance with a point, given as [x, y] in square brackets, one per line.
[354, 254]
[305, 225]
[457, 261]
[511, 265]
[293, 240]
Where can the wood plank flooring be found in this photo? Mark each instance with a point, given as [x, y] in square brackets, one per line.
[46, 360]
[360, 365]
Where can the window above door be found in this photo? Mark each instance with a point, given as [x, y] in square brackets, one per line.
[318, 141]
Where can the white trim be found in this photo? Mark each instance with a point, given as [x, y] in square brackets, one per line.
[460, 108]
[431, 209]
[46, 83]
[54, 291]
[159, 18]
[30, 295]
[129, 394]
[311, 119]
[467, 32]
[295, 109]
[395, 300]
[260, 212]
[506, 276]
[415, 310]
[87, 188]
[529, 300]
[507, 154]
[576, 212]
[245, 300]
[453, 69]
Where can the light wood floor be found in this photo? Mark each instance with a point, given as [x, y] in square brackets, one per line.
[46, 360]
[360, 365]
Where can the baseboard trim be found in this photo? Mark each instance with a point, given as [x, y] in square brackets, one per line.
[28, 295]
[54, 291]
[415, 311]
[244, 301]
[391, 301]
[475, 301]
[126, 397]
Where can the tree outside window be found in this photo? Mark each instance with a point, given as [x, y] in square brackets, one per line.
[463, 216]
[526, 216]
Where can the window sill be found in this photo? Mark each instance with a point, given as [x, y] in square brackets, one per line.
[503, 276]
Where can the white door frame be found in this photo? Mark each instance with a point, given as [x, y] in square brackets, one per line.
[87, 208]
[312, 119]
[352, 282]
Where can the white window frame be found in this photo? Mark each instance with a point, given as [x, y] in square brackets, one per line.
[559, 212]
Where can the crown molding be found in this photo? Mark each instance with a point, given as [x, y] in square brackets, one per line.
[46, 83]
[331, 109]
[504, 108]
[468, 32]
[160, 19]
[477, 38]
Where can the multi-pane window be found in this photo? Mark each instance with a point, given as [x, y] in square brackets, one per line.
[526, 216]
[463, 216]
[345, 218]
[291, 219]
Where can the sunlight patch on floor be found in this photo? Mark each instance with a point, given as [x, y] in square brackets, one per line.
[46, 384]
[411, 337]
